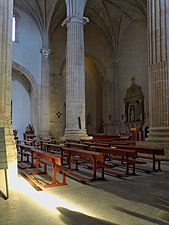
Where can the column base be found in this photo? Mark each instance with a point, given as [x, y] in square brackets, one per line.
[158, 134]
[74, 134]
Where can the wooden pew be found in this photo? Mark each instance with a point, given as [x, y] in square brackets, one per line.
[95, 158]
[43, 142]
[77, 145]
[54, 149]
[30, 142]
[105, 137]
[97, 144]
[25, 150]
[126, 157]
[153, 152]
[72, 141]
[53, 160]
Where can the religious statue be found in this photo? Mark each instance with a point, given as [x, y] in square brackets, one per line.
[29, 129]
[132, 113]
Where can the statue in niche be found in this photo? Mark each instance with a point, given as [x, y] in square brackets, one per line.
[132, 113]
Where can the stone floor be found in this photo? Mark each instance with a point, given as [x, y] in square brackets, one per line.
[136, 200]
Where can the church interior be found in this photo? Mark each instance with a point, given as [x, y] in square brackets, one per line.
[84, 86]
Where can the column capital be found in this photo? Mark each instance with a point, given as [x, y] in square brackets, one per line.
[74, 18]
[45, 52]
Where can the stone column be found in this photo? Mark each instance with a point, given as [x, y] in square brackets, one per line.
[6, 14]
[158, 33]
[75, 70]
[44, 123]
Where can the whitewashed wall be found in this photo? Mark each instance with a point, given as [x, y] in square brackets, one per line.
[26, 53]
[20, 108]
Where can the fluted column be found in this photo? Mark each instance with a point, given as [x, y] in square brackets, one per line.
[158, 25]
[75, 70]
[6, 14]
[44, 123]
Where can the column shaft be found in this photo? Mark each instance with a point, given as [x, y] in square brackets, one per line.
[45, 106]
[75, 79]
[6, 14]
[75, 71]
[158, 15]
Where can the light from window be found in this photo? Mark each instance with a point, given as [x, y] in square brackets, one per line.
[13, 28]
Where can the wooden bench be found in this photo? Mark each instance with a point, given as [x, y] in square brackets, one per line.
[147, 153]
[107, 144]
[43, 142]
[25, 150]
[126, 157]
[53, 160]
[104, 137]
[72, 141]
[55, 149]
[95, 158]
[77, 145]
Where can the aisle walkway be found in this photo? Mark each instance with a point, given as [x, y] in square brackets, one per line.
[137, 200]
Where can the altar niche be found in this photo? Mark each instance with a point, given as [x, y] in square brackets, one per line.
[134, 110]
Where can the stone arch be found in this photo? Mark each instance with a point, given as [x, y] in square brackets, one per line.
[22, 75]
[98, 63]
[94, 95]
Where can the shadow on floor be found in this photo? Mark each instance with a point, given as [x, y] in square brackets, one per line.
[149, 189]
[76, 218]
[146, 218]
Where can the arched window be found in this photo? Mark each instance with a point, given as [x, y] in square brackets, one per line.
[15, 27]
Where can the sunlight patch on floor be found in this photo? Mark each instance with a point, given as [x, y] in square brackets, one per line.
[48, 201]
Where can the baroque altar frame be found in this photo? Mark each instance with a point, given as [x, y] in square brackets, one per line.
[134, 108]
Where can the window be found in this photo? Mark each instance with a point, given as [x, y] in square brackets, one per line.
[15, 26]
[14, 29]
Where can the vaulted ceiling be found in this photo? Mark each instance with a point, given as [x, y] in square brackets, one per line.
[112, 17]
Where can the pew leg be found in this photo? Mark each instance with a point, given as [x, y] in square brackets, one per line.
[27, 158]
[127, 167]
[134, 172]
[54, 173]
[76, 164]
[102, 175]
[159, 165]
[94, 169]
[64, 178]
[45, 168]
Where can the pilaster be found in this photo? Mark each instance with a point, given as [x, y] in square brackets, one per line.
[6, 14]
[45, 106]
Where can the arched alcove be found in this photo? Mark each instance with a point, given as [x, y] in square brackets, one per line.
[94, 97]
[93, 92]
[24, 99]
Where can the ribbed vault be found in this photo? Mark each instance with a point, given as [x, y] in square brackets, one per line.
[111, 16]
